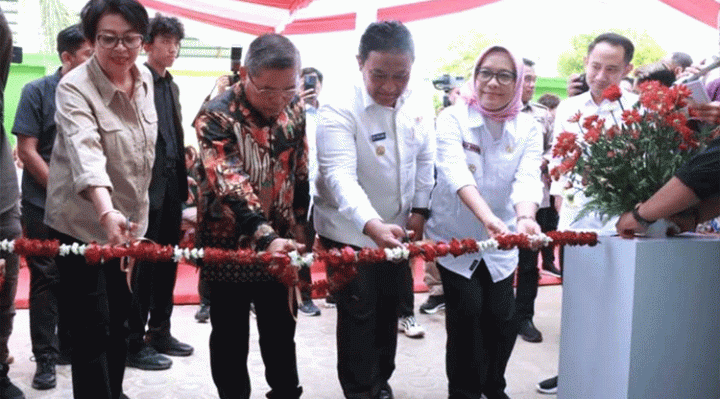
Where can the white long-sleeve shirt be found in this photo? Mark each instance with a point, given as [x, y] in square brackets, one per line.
[573, 199]
[374, 162]
[506, 171]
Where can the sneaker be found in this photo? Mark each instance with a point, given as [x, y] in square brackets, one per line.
[203, 314]
[411, 327]
[548, 386]
[433, 304]
[330, 301]
[148, 358]
[8, 390]
[309, 308]
[528, 332]
[44, 372]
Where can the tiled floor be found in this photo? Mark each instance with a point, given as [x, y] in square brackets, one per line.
[420, 372]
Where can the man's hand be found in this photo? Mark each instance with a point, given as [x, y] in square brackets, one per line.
[385, 235]
[416, 224]
[283, 245]
[575, 84]
[627, 226]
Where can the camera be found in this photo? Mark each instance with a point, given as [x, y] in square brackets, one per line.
[447, 82]
[235, 62]
[17, 55]
[582, 79]
[310, 82]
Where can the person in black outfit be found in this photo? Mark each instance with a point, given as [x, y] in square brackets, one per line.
[34, 127]
[153, 283]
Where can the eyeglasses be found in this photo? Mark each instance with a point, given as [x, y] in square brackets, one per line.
[503, 77]
[380, 77]
[285, 93]
[131, 41]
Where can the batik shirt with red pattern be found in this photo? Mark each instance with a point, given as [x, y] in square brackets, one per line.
[253, 179]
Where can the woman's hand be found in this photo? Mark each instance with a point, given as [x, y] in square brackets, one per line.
[494, 225]
[284, 245]
[117, 227]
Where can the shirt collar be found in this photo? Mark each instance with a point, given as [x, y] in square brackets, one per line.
[106, 88]
[156, 76]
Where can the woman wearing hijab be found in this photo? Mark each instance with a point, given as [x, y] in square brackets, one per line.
[488, 183]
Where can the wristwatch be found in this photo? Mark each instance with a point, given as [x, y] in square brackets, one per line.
[641, 220]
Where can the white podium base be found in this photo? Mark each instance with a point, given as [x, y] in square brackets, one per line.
[640, 319]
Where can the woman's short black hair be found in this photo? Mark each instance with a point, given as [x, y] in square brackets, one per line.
[133, 12]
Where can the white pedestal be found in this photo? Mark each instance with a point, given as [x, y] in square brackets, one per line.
[640, 319]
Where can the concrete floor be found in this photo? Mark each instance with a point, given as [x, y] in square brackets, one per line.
[420, 372]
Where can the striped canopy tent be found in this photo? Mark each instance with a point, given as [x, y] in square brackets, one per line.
[293, 17]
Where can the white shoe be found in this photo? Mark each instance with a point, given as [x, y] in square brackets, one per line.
[411, 327]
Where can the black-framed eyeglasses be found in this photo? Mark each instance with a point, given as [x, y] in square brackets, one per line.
[108, 41]
[503, 77]
[285, 93]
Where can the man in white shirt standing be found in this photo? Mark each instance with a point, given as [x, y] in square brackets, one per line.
[607, 62]
[375, 154]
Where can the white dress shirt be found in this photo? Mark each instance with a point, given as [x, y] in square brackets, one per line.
[573, 199]
[374, 162]
[506, 171]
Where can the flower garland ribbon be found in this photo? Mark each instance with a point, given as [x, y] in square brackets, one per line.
[285, 266]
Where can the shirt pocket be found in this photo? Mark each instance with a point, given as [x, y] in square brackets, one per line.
[111, 130]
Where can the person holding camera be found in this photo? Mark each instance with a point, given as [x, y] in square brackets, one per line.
[253, 191]
[608, 60]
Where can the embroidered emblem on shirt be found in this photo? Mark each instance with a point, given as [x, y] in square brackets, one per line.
[472, 168]
[378, 136]
[380, 150]
[472, 147]
[509, 149]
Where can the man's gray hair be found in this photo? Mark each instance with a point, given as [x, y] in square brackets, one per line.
[271, 51]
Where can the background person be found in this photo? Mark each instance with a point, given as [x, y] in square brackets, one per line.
[102, 160]
[153, 282]
[35, 129]
[488, 181]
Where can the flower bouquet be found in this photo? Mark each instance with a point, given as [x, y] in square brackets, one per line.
[622, 164]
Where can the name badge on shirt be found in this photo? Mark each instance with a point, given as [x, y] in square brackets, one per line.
[472, 147]
[378, 136]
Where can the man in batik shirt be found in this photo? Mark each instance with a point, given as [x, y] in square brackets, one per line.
[253, 190]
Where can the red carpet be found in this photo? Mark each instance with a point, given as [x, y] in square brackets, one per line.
[187, 281]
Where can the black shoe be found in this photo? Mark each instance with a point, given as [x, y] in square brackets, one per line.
[148, 358]
[309, 308]
[330, 301]
[169, 345]
[203, 314]
[44, 372]
[433, 304]
[528, 332]
[385, 393]
[552, 270]
[8, 390]
[548, 386]
[501, 395]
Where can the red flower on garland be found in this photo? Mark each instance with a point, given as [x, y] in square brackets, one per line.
[612, 93]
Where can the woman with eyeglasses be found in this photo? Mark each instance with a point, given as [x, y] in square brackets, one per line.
[98, 187]
[488, 184]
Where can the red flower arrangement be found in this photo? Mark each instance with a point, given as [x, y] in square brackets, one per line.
[625, 163]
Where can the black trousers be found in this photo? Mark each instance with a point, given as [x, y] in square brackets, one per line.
[154, 283]
[480, 332]
[97, 300]
[528, 274]
[229, 340]
[368, 309]
[44, 291]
